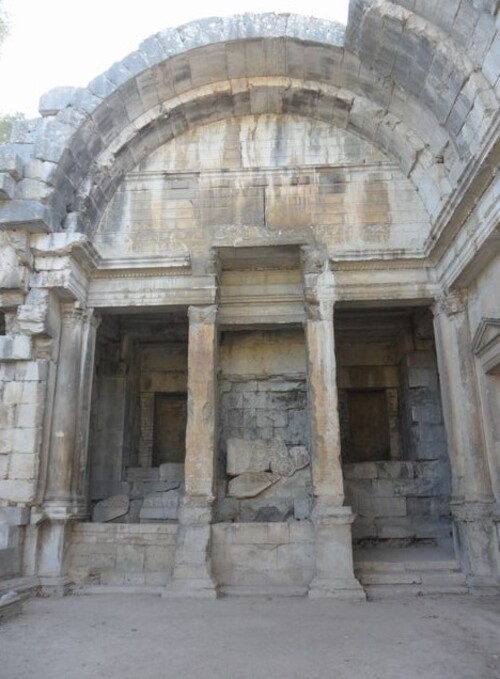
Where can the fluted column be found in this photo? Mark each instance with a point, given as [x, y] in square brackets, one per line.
[331, 520]
[192, 569]
[472, 502]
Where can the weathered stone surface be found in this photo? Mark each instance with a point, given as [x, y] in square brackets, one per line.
[251, 484]
[302, 508]
[55, 100]
[110, 508]
[287, 461]
[160, 506]
[247, 456]
[172, 472]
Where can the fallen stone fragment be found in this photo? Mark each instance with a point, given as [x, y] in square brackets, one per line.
[251, 484]
[111, 508]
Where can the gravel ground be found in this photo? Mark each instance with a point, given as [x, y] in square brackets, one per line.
[145, 637]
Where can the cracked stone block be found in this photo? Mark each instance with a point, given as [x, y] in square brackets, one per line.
[110, 508]
[251, 484]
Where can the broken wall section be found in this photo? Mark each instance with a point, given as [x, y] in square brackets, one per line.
[263, 398]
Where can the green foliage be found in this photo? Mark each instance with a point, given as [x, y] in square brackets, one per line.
[4, 23]
[6, 123]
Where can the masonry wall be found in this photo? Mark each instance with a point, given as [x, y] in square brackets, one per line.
[121, 554]
[256, 555]
[263, 396]
[267, 179]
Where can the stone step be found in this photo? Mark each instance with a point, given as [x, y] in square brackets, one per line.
[406, 566]
[263, 591]
[10, 606]
[24, 586]
[438, 578]
[379, 592]
[82, 590]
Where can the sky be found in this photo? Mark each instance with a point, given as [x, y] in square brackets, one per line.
[70, 42]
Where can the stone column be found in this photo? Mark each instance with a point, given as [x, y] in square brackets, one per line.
[331, 520]
[192, 569]
[472, 502]
[63, 498]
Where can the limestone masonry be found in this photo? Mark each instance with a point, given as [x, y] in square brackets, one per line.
[250, 312]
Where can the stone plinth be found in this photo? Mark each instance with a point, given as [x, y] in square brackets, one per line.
[334, 566]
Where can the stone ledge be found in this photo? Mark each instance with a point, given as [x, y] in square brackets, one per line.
[29, 215]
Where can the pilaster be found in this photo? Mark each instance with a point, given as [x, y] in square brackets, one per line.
[472, 501]
[331, 520]
[192, 575]
[64, 497]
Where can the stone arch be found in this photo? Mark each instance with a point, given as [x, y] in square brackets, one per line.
[212, 63]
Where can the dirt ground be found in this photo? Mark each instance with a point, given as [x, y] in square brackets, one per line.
[145, 637]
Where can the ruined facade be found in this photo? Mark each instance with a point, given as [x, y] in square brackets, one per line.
[250, 320]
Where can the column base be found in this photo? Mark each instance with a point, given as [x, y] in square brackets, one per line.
[334, 565]
[477, 544]
[192, 575]
[336, 588]
[54, 586]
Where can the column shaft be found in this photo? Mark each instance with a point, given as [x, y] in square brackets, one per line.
[63, 435]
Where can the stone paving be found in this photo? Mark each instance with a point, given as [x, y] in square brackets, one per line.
[116, 636]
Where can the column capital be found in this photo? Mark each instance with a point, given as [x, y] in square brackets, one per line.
[451, 302]
[205, 315]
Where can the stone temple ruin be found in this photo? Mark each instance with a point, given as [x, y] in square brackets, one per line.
[250, 319]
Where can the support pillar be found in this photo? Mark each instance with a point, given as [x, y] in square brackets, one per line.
[472, 502]
[331, 520]
[192, 575]
[64, 498]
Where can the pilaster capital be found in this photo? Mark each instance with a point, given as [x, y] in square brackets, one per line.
[205, 315]
[451, 303]
[74, 313]
[319, 309]
[319, 293]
